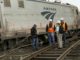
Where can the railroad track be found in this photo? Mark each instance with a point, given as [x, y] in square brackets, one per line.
[55, 54]
[74, 54]
[46, 52]
[18, 52]
[5, 53]
[50, 53]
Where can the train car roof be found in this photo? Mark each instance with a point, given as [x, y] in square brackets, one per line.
[55, 3]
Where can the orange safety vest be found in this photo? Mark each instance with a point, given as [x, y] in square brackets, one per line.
[51, 30]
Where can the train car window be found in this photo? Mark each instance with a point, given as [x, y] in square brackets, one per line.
[21, 3]
[77, 12]
[7, 3]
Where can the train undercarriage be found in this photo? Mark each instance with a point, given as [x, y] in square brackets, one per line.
[7, 43]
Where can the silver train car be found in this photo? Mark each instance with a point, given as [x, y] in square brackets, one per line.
[18, 16]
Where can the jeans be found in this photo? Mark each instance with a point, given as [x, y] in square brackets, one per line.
[51, 38]
[64, 36]
[35, 42]
[64, 39]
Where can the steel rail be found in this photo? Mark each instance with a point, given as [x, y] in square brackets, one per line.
[34, 54]
[11, 50]
[63, 55]
[39, 52]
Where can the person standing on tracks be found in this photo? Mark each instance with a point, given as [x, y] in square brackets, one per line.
[59, 30]
[34, 37]
[51, 31]
[65, 28]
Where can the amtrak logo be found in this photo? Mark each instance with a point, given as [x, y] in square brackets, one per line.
[48, 15]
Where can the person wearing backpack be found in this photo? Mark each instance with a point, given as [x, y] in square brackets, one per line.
[34, 36]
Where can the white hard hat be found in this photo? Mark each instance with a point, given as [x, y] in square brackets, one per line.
[58, 21]
[50, 19]
[61, 18]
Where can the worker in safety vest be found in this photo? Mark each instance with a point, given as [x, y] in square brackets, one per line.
[51, 31]
[65, 28]
[64, 24]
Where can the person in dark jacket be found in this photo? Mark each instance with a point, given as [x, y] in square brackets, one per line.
[34, 37]
[65, 29]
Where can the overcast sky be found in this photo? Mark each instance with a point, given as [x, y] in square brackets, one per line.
[73, 2]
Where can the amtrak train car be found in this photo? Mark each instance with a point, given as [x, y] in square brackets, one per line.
[18, 16]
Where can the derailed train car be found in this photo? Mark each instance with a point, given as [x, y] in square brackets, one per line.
[18, 16]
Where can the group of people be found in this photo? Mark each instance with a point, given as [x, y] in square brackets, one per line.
[59, 29]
